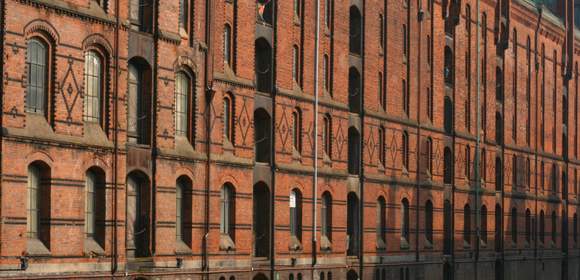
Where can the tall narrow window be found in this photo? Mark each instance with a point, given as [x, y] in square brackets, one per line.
[354, 151]
[575, 228]
[429, 104]
[262, 136]
[429, 221]
[447, 166]
[93, 91]
[263, 64]
[429, 51]
[182, 97]
[297, 129]
[327, 12]
[405, 220]
[448, 69]
[326, 73]
[297, 8]
[382, 149]
[448, 115]
[381, 222]
[405, 150]
[542, 227]
[447, 224]
[382, 31]
[514, 232]
[528, 226]
[355, 31]
[352, 224]
[429, 155]
[326, 217]
[183, 14]
[38, 206]
[382, 96]
[467, 224]
[227, 217]
[183, 213]
[228, 118]
[296, 214]
[141, 14]
[554, 227]
[296, 64]
[468, 162]
[498, 174]
[405, 44]
[327, 135]
[227, 44]
[406, 101]
[498, 228]
[354, 90]
[37, 78]
[483, 222]
[95, 205]
[139, 103]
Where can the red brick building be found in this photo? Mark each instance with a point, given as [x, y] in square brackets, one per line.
[151, 139]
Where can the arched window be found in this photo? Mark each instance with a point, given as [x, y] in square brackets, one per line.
[352, 224]
[542, 227]
[94, 87]
[228, 117]
[554, 226]
[467, 224]
[483, 224]
[381, 222]
[498, 128]
[498, 228]
[528, 226]
[296, 214]
[447, 232]
[326, 216]
[353, 151]
[262, 137]
[327, 135]
[182, 103]
[382, 147]
[498, 174]
[139, 102]
[263, 58]
[95, 208]
[141, 15]
[429, 155]
[405, 220]
[38, 207]
[227, 211]
[296, 65]
[514, 232]
[447, 166]
[448, 115]
[356, 30]
[448, 69]
[37, 84]
[228, 57]
[429, 221]
[183, 211]
[405, 150]
[297, 129]
[354, 91]
[183, 14]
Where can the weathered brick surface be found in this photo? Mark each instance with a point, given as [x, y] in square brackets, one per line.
[69, 146]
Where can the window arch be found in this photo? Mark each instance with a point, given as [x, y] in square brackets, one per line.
[94, 88]
[38, 206]
[228, 117]
[95, 206]
[38, 63]
[183, 208]
[429, 221]
[227, 210]
[296, 214]
[183, 102]
[297, 129]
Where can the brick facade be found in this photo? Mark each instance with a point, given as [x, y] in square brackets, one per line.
[427, 154]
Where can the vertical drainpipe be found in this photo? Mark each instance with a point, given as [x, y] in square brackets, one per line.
[361, 152]
[2, 3]
[418, 147]
[476, 170]
[153, 136]
[273, 90]
[209, 92]
[114, 239]
[315, 182]
[536, 66]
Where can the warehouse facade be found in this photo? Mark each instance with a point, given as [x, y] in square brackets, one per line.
[177, 139]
